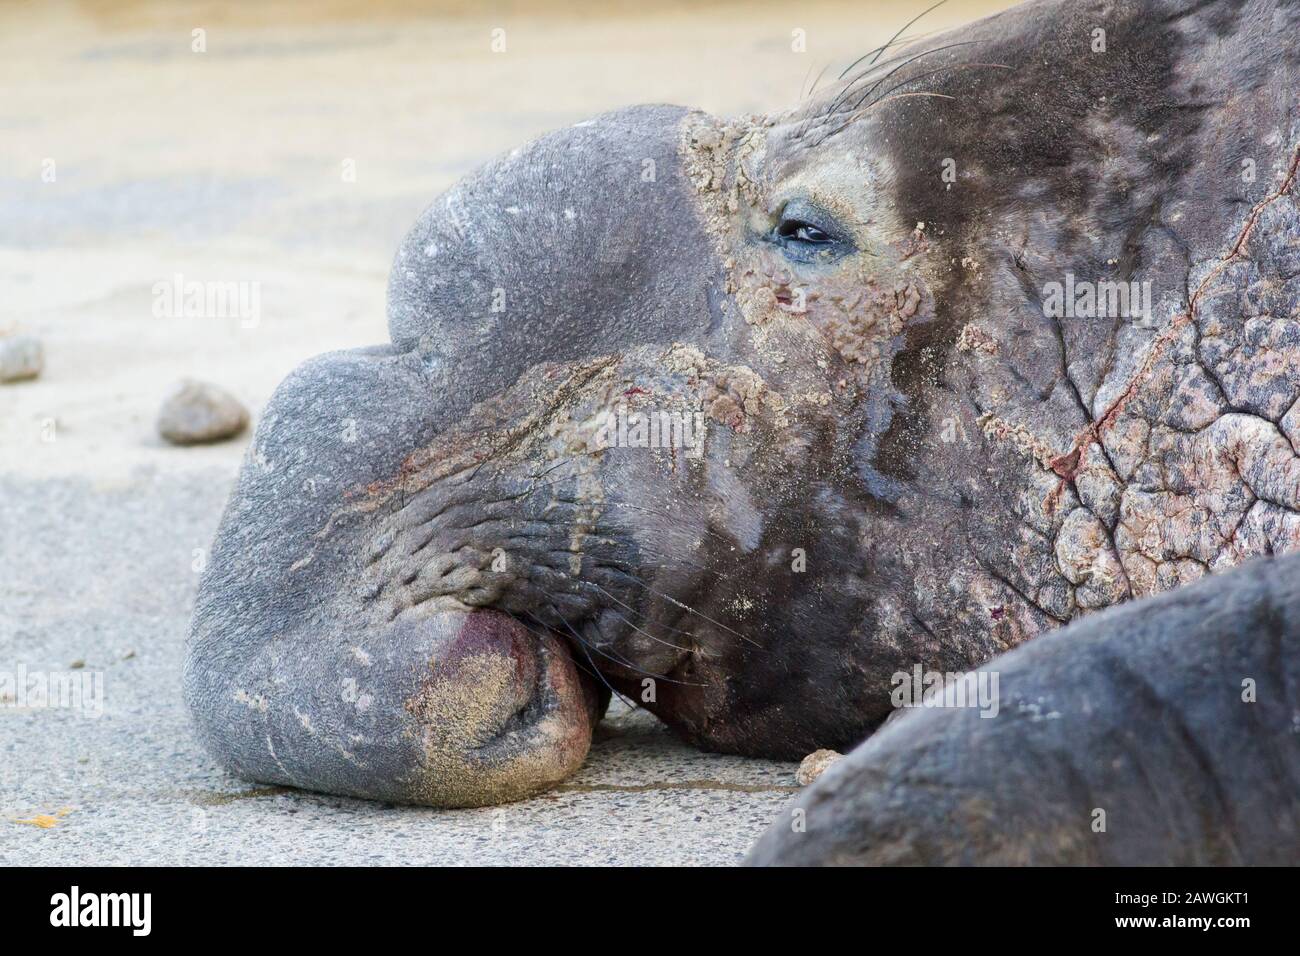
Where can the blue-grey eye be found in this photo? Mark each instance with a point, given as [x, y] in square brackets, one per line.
[807, 233]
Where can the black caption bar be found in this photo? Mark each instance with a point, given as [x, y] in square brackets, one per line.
[267, 906]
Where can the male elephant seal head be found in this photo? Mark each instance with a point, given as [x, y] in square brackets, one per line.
[741, 418]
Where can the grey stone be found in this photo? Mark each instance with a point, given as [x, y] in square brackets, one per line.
[199, 412]
[814, 765]
[21, 357]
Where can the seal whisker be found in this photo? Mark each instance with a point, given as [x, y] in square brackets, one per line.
[576, 663]
[886, 96]
[638, 581]
[874, 68]
[951, 68]
[904, 27]
[631, 610]
[617, 659]
[811, 114]
[804, 84]
[853, 87]
[860, 113]
[593, 670]
[817, 82]
[691, 610]
[875, 50]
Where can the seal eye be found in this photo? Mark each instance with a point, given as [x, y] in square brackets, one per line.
[806, 233]
[802, 231]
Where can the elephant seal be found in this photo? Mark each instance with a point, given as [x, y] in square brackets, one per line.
[995, 331]
[1165, 732]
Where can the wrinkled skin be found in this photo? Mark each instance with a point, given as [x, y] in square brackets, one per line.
[1165, 732]
[906, 461]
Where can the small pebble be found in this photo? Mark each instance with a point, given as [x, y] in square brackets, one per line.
[814, 765]
[21, 357]
[198, 412]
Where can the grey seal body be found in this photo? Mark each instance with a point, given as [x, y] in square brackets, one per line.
[992, 333]
[1165, 732]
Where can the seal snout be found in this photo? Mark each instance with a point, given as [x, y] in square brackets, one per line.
[497, 712]
[502, 709]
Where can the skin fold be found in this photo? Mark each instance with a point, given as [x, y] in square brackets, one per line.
[435, 570]
[1160, 733]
